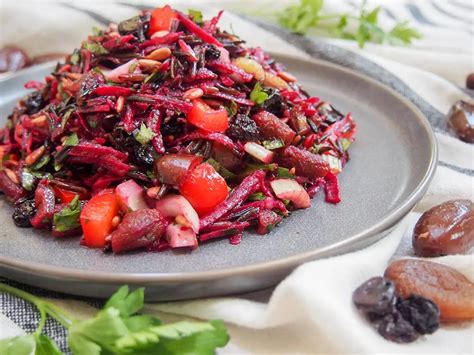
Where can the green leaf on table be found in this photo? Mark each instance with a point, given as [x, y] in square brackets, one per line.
[402, 34]
[177, 338]
[258, 95]
[299, 18]
[31, 344]
[127, 303]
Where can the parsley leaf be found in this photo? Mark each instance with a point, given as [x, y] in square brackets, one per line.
[127, 303]
[72, 140]
[273, 144]
[68, 218]
[308, 14]
[258, 95]
[196, 15]
[144, 135]
[95, 48]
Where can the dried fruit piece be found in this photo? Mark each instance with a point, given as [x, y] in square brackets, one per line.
[461, 120]
[375, 296]
[445, 229]
[395, 328]
[420, 312]
[450, 290]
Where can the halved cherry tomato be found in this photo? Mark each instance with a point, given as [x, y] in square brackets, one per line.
[67, 196]
[208, 119]
[96, 219]
[204, 188]
[161, 19]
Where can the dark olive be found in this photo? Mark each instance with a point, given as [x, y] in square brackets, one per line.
[461, 120]
[445, 229]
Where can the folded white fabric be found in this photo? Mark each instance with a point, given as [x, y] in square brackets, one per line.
[311, 310]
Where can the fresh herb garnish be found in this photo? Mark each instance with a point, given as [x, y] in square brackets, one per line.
[68, 218]
[362, 28]
[284, 173]
[42, 162]
[95, 48]
[258, 95]
[116, 329]
[196, 15]
[144, 135]
[72, 140]
[226, 174]
[75, 57]
[27, 180]
[273, 144]
[257, 196]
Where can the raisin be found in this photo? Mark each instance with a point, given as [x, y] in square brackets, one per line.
[445, 229]
[375, 296]
[172, 127]
[395, 328]
[144, 154]
[244, 128]
[274, 103]
[34, 102]
[450, 290]
[420, 312]
[24, 211]
[212, 52]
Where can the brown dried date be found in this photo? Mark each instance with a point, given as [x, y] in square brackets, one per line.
[461, 120]
[451, 291]
[445, 229]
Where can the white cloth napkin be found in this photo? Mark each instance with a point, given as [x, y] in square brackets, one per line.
[311, 310]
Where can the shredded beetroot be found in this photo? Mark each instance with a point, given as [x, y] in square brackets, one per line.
[154, 107]
[247, 187]
[331, 188]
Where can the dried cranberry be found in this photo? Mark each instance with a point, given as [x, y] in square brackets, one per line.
[375, 296]
[420, 312]
[244, 128]
[24, 211]
[395, 328]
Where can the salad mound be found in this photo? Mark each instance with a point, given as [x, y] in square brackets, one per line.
[165, 132]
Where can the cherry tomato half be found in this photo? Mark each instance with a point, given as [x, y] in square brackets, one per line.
[161, 19]
[208, 119]
[204, 188]
[96, 219]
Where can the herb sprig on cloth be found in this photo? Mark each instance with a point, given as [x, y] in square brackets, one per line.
[363, 27]
[116, 329]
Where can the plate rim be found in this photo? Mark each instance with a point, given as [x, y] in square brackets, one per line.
[290, 262]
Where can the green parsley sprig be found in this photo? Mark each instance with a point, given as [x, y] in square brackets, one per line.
[116, 329]
[362, 28]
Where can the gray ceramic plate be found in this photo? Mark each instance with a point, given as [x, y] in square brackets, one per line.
[392, 163]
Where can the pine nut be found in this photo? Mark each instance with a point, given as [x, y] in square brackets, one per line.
[182, 221]
[116, 221]
[12, 176]
[120, 103]
[159, 54]
[39, 121]
[159, 34]
[149, 64]
[35, 155]
[153, 192]
[192, 94]
[292, 170]
[287, 76]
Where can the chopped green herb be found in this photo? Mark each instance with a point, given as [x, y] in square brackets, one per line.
[75, 57]
[42, 162]
[232, 109]
[273, 144]
[27, 180]
[66, 116]
[96, 31]
[131, 68]
[258, 95]
[151, 174]
[345, 143]
[226, 174]
[68, 218]
[258, 196]
[285, 173]
[196, 15]
[144, 135]
[72, 140]
[95, 48]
